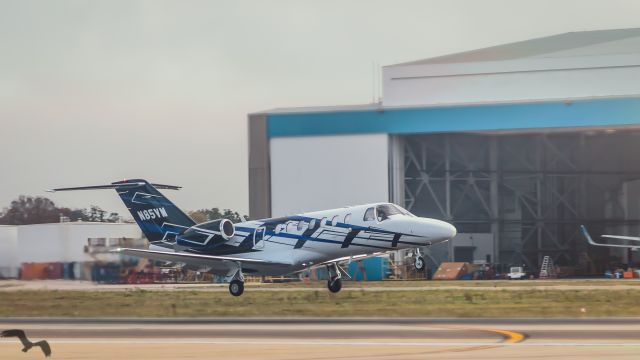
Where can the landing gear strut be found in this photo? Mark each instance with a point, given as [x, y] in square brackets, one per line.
[236, 280]
[335, 278]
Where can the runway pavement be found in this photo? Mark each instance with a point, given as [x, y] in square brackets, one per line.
[328, 338]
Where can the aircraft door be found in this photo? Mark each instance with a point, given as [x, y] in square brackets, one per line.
[258, 238]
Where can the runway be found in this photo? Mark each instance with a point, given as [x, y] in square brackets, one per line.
[328, 338]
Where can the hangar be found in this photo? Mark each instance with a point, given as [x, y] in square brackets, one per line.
[516, 145]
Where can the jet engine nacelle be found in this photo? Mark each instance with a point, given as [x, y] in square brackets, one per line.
[209, 232]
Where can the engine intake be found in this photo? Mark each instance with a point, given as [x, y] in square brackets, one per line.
[222, 227]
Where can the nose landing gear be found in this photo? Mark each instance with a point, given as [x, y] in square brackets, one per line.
[419, 262]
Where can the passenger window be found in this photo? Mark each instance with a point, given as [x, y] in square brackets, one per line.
[347, 218]
[323, 222]
[279, 228]
[334, 221]
[291, 226]
[369, 215]
[312, 223]
[302, 225]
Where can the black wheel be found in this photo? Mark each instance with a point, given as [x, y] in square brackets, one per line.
[419, 264]
[334, 285]
[236, 287]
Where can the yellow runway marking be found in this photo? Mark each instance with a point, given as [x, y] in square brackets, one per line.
[510, 337]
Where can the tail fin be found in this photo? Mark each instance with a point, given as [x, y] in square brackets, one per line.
[158, 218]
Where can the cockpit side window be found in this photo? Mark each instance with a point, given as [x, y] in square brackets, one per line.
[385, 210]
[403, 211]
[369, 215]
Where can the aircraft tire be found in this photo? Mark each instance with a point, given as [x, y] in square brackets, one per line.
[236, 287]
[334, 285]
[419, 264]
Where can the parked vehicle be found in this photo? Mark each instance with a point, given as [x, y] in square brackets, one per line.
[516, 273]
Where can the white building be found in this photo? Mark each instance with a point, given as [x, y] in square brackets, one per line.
[517, 143]
[59, 242]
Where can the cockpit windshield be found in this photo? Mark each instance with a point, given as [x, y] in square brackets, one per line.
[383, 211]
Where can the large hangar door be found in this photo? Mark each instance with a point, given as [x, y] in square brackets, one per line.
[530, 190]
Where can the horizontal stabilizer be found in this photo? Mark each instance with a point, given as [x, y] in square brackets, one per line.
[116, 185]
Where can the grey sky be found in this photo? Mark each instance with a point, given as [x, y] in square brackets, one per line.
[97, 91]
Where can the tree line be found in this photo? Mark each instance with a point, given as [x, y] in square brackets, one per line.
[27, 210]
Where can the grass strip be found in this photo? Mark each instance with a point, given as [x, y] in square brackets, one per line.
[321, 303]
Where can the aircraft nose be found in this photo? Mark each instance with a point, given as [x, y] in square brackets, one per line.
[448, 230]
[436, 230]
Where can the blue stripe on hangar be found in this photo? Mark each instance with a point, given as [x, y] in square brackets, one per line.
[556, 114]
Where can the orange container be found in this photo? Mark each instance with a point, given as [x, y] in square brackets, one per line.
[34, 271]
[451, 271]
[628, 274]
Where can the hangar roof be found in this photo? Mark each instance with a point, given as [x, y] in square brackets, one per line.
[571, 80]
[583, 43]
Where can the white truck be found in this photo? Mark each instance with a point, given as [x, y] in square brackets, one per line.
[516, 273]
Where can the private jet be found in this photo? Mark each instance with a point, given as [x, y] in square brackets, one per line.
[274, 246]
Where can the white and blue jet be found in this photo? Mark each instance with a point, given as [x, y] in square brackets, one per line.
[274, 246]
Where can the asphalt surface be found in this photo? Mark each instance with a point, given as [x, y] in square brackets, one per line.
[322, 338]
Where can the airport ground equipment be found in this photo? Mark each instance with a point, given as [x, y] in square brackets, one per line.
[547, 270]
[516, 273]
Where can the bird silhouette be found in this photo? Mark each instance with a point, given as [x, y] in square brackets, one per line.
[43, 344]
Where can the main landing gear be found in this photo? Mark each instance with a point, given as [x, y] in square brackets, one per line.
[236, 280]
[236, 287]
[335, 278]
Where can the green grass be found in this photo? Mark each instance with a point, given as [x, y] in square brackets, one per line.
[437, 303]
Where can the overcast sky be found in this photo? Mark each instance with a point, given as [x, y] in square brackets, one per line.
[97, 91]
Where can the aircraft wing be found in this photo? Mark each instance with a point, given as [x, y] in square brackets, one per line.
[352, 258]
[339, 260]
[191, 258]
[590, 240]
[630, 238]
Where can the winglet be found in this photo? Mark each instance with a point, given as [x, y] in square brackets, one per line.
[586, 235]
